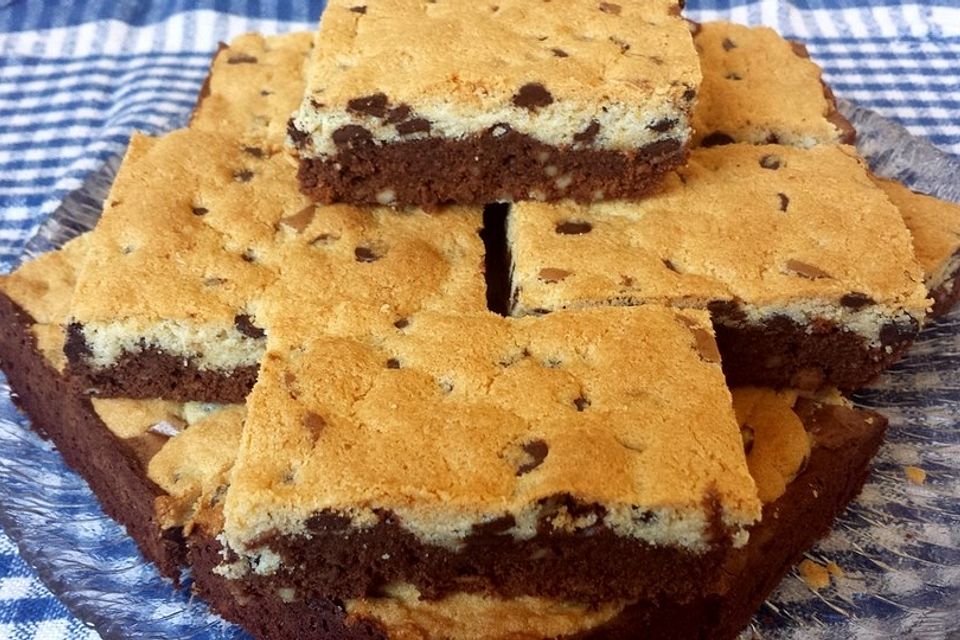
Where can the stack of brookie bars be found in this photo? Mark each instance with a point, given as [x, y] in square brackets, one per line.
[359, 404]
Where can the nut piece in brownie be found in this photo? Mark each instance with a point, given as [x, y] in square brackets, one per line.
[481, 453]
[807, 268]
[426, 103]
[809, 457]
[195, 232]
[254, 84]
[935, 225]
[762, 89]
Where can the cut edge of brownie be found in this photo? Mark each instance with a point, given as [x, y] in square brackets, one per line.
[58, 412]
[846, 440]
[462, 171]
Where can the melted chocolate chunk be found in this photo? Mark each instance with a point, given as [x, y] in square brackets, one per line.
[574, 228]
[716, 139]
[784, 201]
[417, 125]
[242, 58]
[690, 94]
[770, 161]
[200, 211]
[560, 53]
[365, 254]
[374, 105]
[537, 450]
[361, 9]
[402, 323]
[581, 403]
[350, 134]
[393, 363]
[256, 152]
[856, 300]
[244, 175]
[532, 96]
[669, 265]
[245, 325]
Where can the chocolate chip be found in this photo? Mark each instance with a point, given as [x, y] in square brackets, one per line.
[623, 44]
[892, 333]
[359, 9]
[670, 265]
[799, 49]
[200, 211]
[365, 254]
[266, 92]
[716, 139]
[705, 343]
[690, 94]
[589, 134]
[537, 450]
[299, 138]
[249, 256]
[856, 300]
[560, 53]
[397, 114]
[728, 44]
[805, 270]
[532, 96]
[402, 323]
[256, 152]
[552, 276]
[770, 161]
[784, 201]
[243, 175]
[662, 125]
[611, 8]
[213, 281]
[573, 228]
[393, 363]
[300, 220]
[733, 75]
[581, 403]
[417, 125]
[350, 134]
[747, 434]
[242, 58]
[773, 139]
[314, 424]
[245, 325]
[374, 105]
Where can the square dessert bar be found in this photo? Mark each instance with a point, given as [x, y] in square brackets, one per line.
[481, 453]
[773, 240]
[935, 225]
[254, 84]
[199, 228]
[762, 89]
[427, 103]
[808, 455]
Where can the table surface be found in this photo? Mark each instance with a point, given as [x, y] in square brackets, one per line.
[76, 78]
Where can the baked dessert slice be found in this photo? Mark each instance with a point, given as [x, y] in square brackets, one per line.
[494, 455]
[935, 225]
[809, 456]
[429, 103]
[254, 85]
[117, 446]
[762, 89]
[199, 228]
[769, 238]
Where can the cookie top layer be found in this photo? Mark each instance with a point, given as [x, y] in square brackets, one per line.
[198, 227]
[412, 68]
[760, 88]
[764, 225]
[450, 421]
[43, 287]
[255, 84]
[935, 225]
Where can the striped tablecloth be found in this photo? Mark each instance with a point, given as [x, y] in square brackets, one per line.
[77, 77]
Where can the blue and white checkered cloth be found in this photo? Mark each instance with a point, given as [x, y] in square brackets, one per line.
[77, 77]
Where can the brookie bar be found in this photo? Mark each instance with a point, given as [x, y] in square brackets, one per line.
[807, 268]
[428, 103]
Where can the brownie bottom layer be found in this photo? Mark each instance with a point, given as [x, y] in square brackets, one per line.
[782, 353]
[498, 164]
[151, 374]
[109, 466]
[845, 440]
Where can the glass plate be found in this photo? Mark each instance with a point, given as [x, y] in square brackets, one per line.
[898, 545]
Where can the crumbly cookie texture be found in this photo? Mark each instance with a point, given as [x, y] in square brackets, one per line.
[197, 229]
[255, 84]
[43, 287]
[935, 225]
[409, 69]
[498, 414]
[760, 88]
[780, 230]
